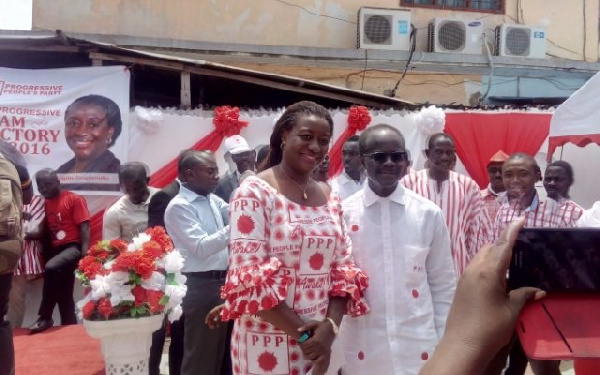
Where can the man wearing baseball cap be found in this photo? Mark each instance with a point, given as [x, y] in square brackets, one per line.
[495, 188]
[243, 157]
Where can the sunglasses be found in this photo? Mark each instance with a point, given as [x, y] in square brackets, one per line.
[382, 157]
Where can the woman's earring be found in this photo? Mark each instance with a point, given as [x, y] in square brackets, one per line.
[282, 145]
[108, 140]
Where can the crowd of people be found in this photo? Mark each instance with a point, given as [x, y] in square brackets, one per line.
[289, 272]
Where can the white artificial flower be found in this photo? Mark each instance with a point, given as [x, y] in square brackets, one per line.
[175, 294]
[141, 239]
[175, 313]
[180, 278]
[174, 261]
[121, 293]
[160, 263]
[117, 278]
[131, 248]
[156, 281]
[99, 287]
[108, 265]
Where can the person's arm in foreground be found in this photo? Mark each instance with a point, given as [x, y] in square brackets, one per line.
[483, 315]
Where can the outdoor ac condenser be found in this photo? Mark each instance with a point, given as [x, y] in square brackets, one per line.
[448, 35]
[521, 41]
[380, 28]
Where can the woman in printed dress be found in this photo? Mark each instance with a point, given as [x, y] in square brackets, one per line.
[290, 267]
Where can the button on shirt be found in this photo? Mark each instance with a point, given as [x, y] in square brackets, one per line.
[402, 243]
[125, 220]
[344, 186]
[198, 227]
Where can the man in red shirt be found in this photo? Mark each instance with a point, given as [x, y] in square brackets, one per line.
[68, 224]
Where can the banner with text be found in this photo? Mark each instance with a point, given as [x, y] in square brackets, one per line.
[73, 120]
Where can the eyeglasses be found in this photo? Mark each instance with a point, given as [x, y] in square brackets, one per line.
[382, 157]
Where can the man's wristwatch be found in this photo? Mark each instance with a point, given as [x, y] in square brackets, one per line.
[334, 326]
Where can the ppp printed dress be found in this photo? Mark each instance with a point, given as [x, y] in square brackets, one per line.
[282, 251]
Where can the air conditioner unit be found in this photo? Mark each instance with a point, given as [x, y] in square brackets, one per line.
[520, 41]
[447, 35]
[383, 28]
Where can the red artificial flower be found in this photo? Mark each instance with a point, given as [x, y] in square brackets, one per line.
[159, 235]
[119, 245]
[153, 299]
[105, 308]
[125, 261]
[96, 250]
[140, 295]
[144, 267]
[88, 309]
[153, 249]
[90, 266]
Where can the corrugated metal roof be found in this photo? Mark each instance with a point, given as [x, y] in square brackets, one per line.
[53, 42]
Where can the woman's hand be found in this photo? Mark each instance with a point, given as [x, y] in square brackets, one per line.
[318, 347]
[213, 318]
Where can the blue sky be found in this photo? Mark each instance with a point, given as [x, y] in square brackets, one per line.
[15, 14]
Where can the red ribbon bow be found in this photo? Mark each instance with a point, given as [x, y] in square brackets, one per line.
[358, 118]
[227, 121]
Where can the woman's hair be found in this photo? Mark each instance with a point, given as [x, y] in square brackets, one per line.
[566, 166]
[113, 113]
[287, 121]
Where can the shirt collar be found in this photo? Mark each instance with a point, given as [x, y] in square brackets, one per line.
[189, 195]
[344, 178]
[371, 198]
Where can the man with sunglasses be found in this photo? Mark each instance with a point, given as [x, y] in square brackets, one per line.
[457, 195]
[352, 178]
[495, 190]
[400, 239]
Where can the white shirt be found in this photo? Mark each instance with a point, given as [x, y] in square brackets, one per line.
[402, 243]
[591, 217]
[198, 227]
[344, 186]
[125, 220]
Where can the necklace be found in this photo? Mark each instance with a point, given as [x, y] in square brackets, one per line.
[297, 184]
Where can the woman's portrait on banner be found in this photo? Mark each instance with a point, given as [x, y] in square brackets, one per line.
[92, 124]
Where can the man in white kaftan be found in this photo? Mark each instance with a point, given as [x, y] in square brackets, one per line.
[400, 239]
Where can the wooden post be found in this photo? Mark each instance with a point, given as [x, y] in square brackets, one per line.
[186, 93]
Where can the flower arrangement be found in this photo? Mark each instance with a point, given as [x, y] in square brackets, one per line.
[139, 279]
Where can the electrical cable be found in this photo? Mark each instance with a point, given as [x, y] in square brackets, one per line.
[491, 75]
[413, 37]
[315, 14]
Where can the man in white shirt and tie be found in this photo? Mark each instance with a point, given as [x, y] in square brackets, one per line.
[400, 239]
[196, 220]
[352, 178]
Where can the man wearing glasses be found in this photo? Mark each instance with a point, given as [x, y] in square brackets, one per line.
[457, 195]
[400, 239]
[352, 178]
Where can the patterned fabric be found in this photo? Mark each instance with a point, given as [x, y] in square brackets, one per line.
[282, 251]
[467, 220]
[547, 213]
[31, 261]
[491, 201]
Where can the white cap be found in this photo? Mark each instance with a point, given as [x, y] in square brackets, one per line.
[236, 144]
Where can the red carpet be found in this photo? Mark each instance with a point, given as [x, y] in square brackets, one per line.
[59, 350]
